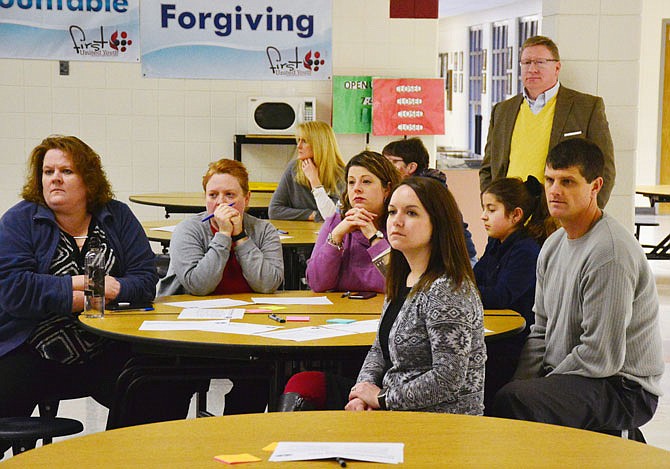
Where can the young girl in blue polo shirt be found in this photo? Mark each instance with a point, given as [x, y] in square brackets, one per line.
[517, 221]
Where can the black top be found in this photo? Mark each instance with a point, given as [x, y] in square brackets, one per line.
[389, 318]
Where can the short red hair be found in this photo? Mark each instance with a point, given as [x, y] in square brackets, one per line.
[226, 166]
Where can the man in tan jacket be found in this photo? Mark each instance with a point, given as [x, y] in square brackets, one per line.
[524, 128]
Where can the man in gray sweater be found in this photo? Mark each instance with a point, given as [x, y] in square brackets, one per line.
[593, 358]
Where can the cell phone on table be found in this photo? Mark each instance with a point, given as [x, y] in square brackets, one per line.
[362, 295]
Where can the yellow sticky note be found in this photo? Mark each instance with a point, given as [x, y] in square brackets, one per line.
[271, 447]
[274, 307]
[236, 458]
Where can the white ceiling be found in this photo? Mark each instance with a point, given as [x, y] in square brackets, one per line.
[459, 7]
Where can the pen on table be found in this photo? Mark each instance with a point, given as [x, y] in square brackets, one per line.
[341, 462]
[211, 215]
[282, 231]
[274, 317]
[346, 294]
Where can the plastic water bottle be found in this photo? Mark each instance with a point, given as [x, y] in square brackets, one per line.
[94, 280]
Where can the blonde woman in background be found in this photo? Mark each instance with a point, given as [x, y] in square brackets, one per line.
[310, 186]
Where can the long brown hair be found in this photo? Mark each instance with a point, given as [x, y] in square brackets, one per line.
[85, 161]
[448, 253]
[381, 167]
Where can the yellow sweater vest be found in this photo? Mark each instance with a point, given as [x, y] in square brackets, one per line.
[530, 141]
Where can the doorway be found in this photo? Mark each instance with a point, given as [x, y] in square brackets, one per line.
[665, 112]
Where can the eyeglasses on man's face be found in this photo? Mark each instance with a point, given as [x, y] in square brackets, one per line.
[537, 62]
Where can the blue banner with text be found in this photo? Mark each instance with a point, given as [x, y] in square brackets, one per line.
[95, 30]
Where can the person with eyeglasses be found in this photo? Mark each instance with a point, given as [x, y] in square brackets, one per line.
[525, 127]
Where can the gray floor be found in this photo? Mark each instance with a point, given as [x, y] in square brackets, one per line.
[657, 431]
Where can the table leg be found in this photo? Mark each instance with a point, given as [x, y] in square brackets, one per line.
[237, 149]
[276, 383]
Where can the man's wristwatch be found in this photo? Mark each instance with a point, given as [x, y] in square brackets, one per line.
[239, 236]
[377, 235]
[381, 398]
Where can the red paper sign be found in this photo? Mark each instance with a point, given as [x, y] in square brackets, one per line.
[414, 9]
[408, 106]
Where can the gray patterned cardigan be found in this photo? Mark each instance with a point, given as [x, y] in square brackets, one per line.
[437, 352]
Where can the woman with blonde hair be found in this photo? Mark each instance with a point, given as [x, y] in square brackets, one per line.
[310, 186]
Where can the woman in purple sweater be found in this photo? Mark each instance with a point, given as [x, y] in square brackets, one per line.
[348, 247]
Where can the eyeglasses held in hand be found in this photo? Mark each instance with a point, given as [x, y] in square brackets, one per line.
[537, 62]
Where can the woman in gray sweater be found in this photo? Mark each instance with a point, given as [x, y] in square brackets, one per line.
[223, 251]
[429, 353]
[310, 186]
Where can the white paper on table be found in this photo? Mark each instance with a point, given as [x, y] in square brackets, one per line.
[203, 313]
[169, 228]
[285, 237]
[487, 330]
[286, 300]
[357, 327]
[301, 334]
[216, 303]
[224, 325]
[178, 325]
[241, 328]
[389, 453]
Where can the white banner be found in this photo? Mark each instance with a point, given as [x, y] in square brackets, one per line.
[242, 39]
[106, 30]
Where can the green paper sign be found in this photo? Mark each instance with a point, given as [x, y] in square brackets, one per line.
[352, 104]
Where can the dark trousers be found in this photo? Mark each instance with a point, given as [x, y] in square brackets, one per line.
[28, 379]
[249, 395]
[613, 403]
[502, 358]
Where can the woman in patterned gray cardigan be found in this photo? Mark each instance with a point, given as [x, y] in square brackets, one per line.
[429, 353]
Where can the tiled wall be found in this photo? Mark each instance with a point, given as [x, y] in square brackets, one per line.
[600, 52]
[159, 134]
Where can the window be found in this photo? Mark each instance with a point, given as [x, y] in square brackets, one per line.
[447, 75]
[528, 27]
[475, 65]
[501, 72]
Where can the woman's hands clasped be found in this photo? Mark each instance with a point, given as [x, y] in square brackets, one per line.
[355, 219]
[363, 396]
[112, 290]
[228, 220]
